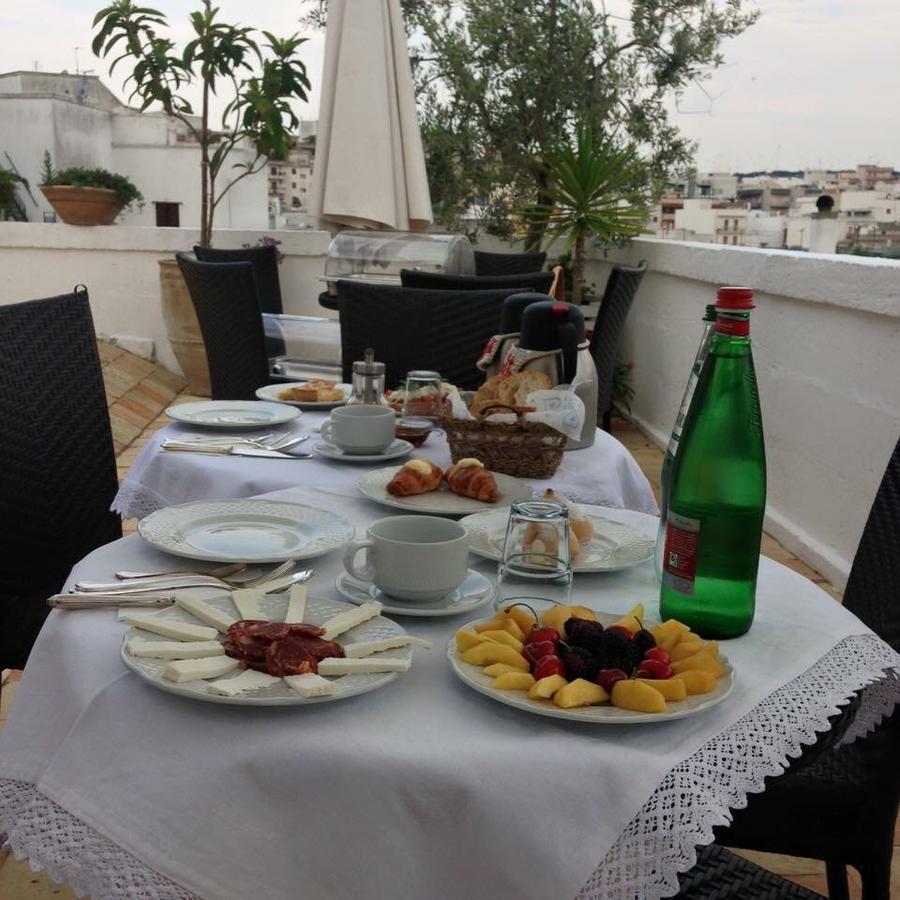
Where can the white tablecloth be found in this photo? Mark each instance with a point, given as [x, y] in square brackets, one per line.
[605, 474]
[421, 790]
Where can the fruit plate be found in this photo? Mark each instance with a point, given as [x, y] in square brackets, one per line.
[605, 714]
[318, 609]
[442, 502]
[615, 545]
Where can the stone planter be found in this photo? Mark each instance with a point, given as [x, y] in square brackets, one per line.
[182, 327]
[83, 205]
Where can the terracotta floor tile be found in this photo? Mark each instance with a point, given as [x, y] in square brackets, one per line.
[147, 412]
[117, 382]
[784, 865]
[18, 882]
[124, 432]
[135, 365]
[127, 413]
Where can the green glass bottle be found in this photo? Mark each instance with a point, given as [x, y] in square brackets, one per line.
[717, 491]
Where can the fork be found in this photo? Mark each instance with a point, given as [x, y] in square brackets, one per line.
[222, 572]
[139, 585]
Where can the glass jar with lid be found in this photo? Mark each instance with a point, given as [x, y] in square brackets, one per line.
[368, 382]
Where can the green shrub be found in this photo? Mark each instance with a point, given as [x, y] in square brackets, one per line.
[76, 176]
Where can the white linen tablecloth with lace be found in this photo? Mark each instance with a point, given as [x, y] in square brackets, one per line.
[423, 789]
[605, 474]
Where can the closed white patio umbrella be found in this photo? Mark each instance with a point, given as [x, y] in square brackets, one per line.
[370, 166]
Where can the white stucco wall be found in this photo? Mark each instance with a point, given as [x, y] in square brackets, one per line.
[826, 336]
[119, 266]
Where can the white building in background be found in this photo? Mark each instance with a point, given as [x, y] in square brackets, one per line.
[710, 222]
[82, 123]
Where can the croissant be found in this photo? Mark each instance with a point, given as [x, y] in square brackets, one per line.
[418, 476]
[469, 478]
[579, 522]
[539, 539]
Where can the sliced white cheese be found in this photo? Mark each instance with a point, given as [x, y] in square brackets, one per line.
[337, 666]
[350, 619]
[175, 649]
[365, 648]
[310, 685]
[194, 669]
[170, 628]
[248, 680]
[205, 612]
[248, 602]
[297, 605]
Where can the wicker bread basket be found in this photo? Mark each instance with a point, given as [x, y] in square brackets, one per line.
[525, 449]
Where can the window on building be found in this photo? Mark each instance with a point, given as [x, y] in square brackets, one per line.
[295, 201]
[273, 186]
[167, 215]
[293, 171]
[273, 171]
[294, 185]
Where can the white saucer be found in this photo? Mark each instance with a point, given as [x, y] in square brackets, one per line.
[394, 450]
[475, 591]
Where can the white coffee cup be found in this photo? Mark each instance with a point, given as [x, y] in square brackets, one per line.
[360, 429]
[412, 557]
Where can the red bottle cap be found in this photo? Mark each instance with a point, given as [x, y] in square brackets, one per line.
[560, 309]
[735, 298]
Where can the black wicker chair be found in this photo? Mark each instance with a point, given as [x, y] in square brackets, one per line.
[59, 466]
[538, 282]
[265, 268]
[841, 805]
[418, 329]
[224, 296]
[617, 299]
[508, 263]
[268, 285]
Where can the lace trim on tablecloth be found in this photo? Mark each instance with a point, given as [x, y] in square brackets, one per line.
[134, 501]
[698, 794]
[644, 863]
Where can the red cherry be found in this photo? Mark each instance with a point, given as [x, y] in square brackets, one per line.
[653, 668]
[538, 649]
[606, 678]
[658, 654]
[620, 629]
[549, 665]
[543, 634]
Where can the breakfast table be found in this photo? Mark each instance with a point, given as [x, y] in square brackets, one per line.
[605, 474]
[422, 789]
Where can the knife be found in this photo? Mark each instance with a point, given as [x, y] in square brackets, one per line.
[233, 450]
[103, 601]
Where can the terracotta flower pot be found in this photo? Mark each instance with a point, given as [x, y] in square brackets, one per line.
[183, 328]
[83, 205]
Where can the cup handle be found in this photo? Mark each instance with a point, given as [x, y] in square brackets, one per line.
[327, 431]
[367, 572]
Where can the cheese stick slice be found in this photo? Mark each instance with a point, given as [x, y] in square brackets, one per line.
[194, 669]
[170, 628]
[248, 680]
[297, 605]
[310, 685]
[205, 612]
[175, 649]
[248, 602]
[350, 619]
[336, 666]
[365, 648]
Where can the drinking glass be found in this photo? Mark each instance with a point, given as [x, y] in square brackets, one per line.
[423, 395]
[535, 564]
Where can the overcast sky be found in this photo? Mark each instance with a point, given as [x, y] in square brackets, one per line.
[813, 83]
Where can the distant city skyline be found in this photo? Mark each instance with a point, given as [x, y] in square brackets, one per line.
[808, 86]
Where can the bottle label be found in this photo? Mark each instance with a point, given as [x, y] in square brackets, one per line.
[680, 554]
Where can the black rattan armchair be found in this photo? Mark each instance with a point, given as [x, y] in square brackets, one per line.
[617, 299]
[265, 268]
[840, 806]
[59, 466]
[539, 282]
[418, 329]
[508, 263]
[224, 296]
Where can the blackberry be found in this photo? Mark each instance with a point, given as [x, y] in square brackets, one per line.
[582, 632]
[615, 651]
[644, 640]
[579, 663]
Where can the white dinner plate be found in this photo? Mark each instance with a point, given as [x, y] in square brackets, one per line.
[604, 714]
[232, 413]
[442, 502]
[394, 450]
[318, 609]
[475, 591]
[270, 392]
[251, 531]
[613, 547]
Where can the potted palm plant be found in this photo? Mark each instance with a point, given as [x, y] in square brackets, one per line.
[595, 190]
[264, 76]
[10, 208]
[81, 196]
